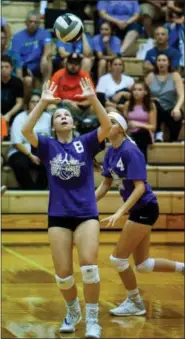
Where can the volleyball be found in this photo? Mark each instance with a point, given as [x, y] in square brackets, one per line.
[68, 27]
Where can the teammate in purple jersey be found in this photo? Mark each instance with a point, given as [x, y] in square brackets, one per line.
[125, 164]
[72, 212]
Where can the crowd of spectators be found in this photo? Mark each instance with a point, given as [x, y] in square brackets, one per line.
[28, 59]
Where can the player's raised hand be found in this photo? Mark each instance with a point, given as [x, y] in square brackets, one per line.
[48, 91]
[87, 89]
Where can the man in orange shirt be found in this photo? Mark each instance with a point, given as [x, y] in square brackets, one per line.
[68, 81]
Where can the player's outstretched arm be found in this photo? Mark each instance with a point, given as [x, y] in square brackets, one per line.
[105, 123]
[46, 98]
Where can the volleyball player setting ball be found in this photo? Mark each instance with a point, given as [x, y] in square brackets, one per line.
[125, 164]
[72, 211]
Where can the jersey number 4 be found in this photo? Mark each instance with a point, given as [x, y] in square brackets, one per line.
[120, 165]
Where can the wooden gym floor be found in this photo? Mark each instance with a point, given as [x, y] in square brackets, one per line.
[33, 308]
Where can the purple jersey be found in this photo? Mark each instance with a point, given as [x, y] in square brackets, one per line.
[124, 165]
[70, 174]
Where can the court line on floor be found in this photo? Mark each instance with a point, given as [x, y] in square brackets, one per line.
[32, 262]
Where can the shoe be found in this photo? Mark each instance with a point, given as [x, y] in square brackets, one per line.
[129, 307]
[159, 137]
[72, 318]
[93, 330]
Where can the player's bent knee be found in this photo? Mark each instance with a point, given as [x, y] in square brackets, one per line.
[146, 266]
[119, 264]
[65, 283]
[90, 274]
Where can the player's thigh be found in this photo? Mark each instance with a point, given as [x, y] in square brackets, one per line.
[141, 252]
[61, 243]
[86, 238]
[131, 236]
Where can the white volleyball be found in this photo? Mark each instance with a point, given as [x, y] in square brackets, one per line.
[68, 27]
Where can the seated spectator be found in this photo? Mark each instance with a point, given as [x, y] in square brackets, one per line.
[68, 82]
[6, 27]
[83, 47]
[168, 91]
[16, 61]
[4, 128]
[106, 47]
[175, 26]
[151, 11]
[114, 86]
[11, 91]
[34, 46]
[124, 16]
[161, 36]
[20, 157]
[140, 113]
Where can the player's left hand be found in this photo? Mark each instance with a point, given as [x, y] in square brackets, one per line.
[112, 219]
[87, 89]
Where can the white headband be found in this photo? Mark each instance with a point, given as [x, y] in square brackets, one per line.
[118, 117]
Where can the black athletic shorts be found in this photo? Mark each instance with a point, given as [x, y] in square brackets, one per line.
[71, 223]
[146, 215]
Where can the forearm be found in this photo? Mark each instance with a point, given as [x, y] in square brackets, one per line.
[101, 191]
[33, 117]
[16, 108]
[22, 148]
[108, 50]
[133, 19]
[108, 17]
[180, 102]
[100, 112]
[148, 127]
[134, 197]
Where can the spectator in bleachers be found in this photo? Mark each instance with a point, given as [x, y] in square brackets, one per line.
[175, 22]
[114, 86]
[151, 11]
[168, 91]
[6, 26]
[68, 82]
[34, 46]
[12, 92]
[106, 47]
[175, 25]
[83, 47]
[140, 113]
[162, 46]
[20, 157]
[124, 16]
[16, 61]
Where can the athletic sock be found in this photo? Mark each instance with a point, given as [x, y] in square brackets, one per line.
[134, 295]
[179, 266]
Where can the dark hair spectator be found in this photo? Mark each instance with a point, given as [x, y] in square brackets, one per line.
[168, 91]
[106, 47]
[140, 112]
[114, 86]
[28, 169]
[124, 16]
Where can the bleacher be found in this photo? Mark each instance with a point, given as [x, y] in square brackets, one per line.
[165, 169]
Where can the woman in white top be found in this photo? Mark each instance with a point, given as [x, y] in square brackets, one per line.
[115, 86]
[20, 157]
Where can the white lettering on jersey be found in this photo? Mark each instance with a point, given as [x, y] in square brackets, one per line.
[120, 165]
[78, 146]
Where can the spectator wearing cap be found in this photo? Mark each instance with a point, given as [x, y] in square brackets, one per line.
[162, 47]
[84, 47]
[11, 91]
[68, 85]
[34, 47]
